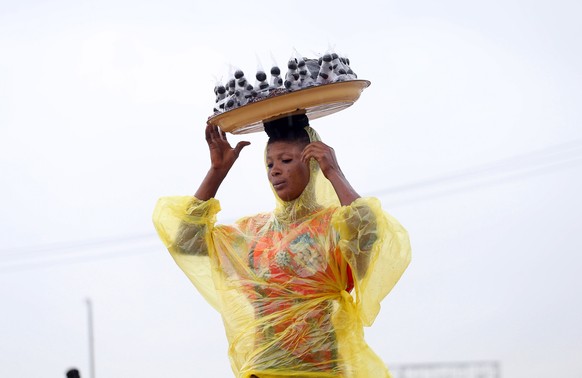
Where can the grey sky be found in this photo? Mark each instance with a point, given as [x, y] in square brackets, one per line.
[102, 110]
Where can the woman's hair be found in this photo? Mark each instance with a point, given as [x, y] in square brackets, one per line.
[290, 128]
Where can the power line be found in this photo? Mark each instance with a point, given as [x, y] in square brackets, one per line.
[551, 155]
[565, 154]
[522, 166]
[83, 244]
[64, 260]
[476, 185]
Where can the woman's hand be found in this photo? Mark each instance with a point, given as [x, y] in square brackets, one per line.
[330, 168]
[222, 158]
[222, 155]
[325, 156]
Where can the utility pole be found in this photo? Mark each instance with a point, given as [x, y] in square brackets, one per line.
[91, 341]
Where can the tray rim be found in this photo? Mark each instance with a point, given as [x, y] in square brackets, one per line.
[316, 101]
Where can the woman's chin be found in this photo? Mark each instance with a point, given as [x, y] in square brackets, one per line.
[286, 197]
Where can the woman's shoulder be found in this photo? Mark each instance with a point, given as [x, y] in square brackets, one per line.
[323, 217]
[328, 212]
[255, 221]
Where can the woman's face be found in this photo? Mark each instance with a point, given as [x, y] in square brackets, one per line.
[287, 173]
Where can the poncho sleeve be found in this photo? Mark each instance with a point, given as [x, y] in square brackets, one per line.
[185, 225]
[376, 247]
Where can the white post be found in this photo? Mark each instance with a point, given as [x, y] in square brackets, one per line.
[91, 341]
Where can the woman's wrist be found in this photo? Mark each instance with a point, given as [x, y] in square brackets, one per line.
[334, 175]
[342, 187]
[212, 181]
[218, 172]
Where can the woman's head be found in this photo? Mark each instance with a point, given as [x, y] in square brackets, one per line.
[287, 172]
[290, 128]
[309, 191]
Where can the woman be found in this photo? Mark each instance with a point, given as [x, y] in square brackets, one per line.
[296, 286]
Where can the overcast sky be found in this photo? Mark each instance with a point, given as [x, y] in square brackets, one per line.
[470, 135]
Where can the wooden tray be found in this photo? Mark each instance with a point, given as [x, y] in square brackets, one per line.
[316, 101]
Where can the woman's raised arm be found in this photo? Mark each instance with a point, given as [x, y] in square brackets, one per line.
[325, 156]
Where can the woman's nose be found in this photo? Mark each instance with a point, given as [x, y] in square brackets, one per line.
[275, 171]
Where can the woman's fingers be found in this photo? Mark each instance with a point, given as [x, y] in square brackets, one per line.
[316, 150]
[324, 155]
[214, 134]
[239, 146]
[308, 153]
[208, 133]
[217, 138]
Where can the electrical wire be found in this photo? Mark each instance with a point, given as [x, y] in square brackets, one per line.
[61, 246]
[548, 160]
[54, 260]
[548, 156]
[484, 183]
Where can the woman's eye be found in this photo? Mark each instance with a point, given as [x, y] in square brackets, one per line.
[270, 165]
[287, 161]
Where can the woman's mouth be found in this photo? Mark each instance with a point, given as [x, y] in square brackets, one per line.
[278, 185]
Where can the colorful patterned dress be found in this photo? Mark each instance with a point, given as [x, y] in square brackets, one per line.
[294, 297]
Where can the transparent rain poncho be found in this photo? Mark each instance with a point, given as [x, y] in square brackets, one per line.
[294, 287]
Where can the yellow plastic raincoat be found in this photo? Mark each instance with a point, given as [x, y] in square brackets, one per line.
[296, 286]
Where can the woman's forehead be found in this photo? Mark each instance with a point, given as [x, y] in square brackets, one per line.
[275, 149]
